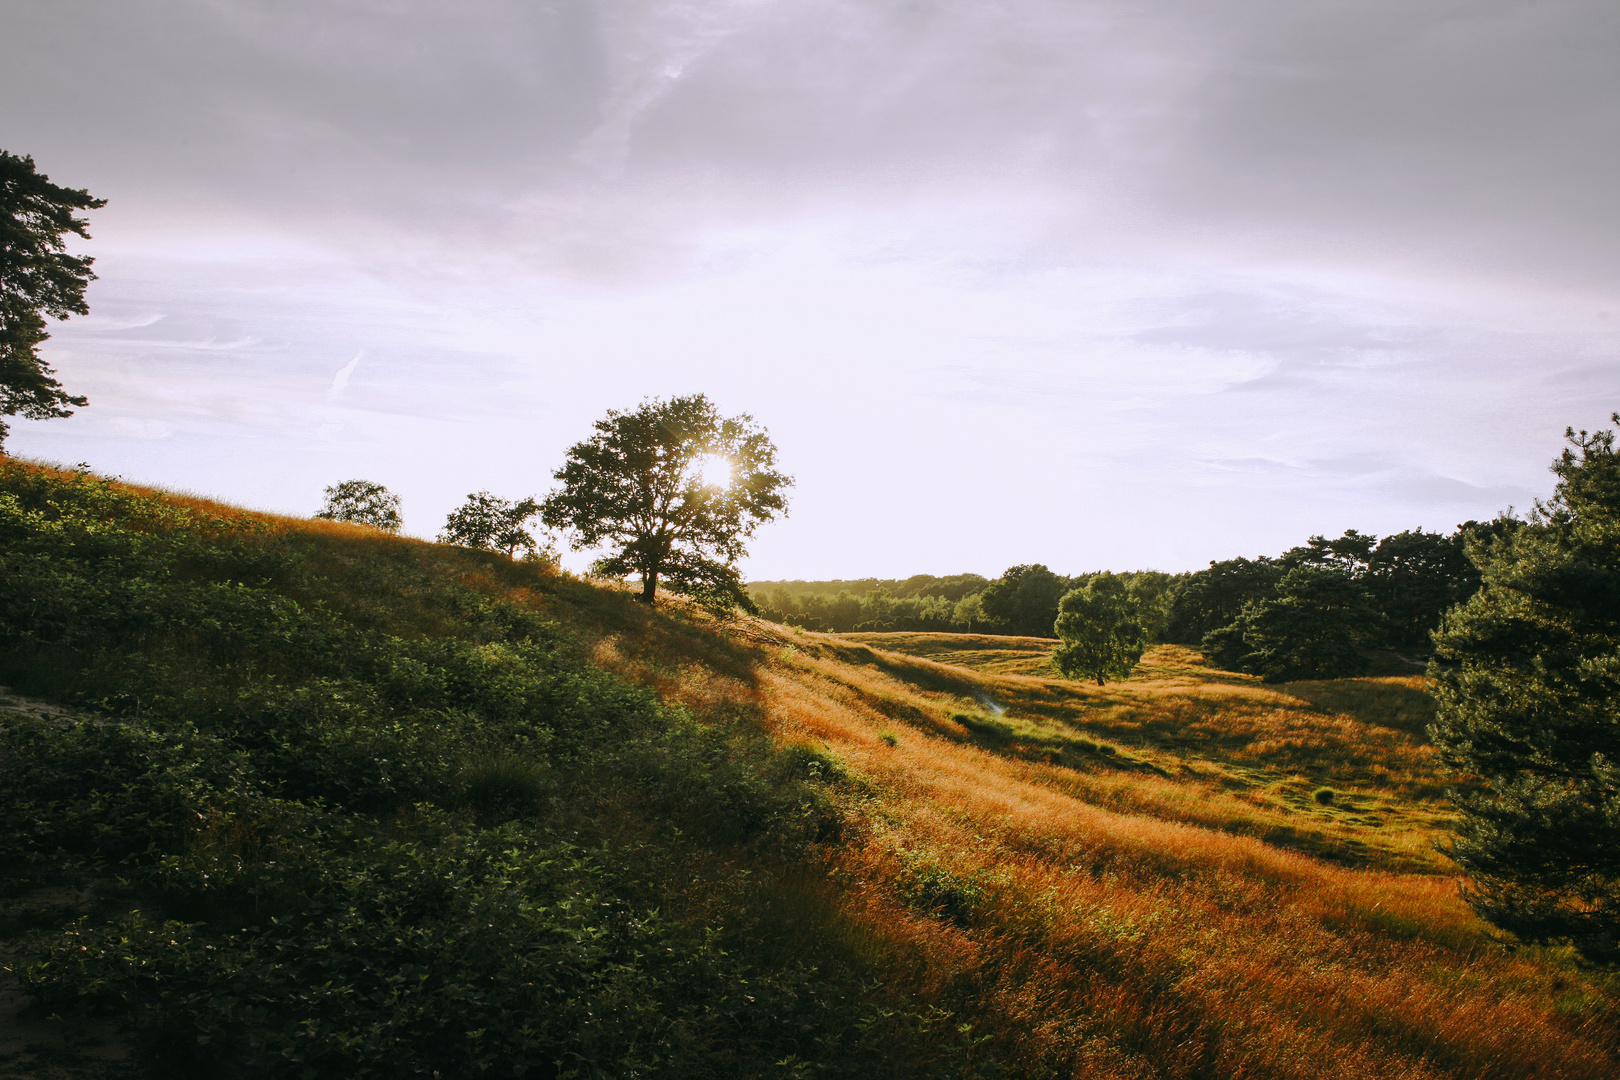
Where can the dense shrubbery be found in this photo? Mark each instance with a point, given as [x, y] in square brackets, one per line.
[348, 817]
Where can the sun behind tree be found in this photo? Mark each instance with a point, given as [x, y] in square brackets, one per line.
[672, 489]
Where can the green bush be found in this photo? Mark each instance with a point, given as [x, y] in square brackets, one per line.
[501, 787]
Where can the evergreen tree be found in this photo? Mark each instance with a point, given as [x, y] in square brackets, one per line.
[1212, 598]
[1348, 554]
[1102, 630]
[37, 279]
[1528, 684]
[1309, 631]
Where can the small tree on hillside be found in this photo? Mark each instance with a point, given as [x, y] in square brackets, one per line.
[37, 279]
[492, 523]
[1102, 630]
[361, 502]
[645, 486]
[1528, 685]
[969, 612]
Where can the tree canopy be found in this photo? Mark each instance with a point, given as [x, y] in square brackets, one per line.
[1102, 629]
[1310, 630]
[1213, 598]
[492, 523]
[1311, 611]
[362, 502]
[1024, 600]
[1528, 688]
[639, 487]
[38, 279]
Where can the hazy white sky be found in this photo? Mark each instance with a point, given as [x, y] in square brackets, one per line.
[1097, 284]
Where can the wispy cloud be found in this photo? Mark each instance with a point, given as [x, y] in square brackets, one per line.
[340, 381]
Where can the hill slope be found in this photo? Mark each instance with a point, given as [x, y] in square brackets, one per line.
[522, 818]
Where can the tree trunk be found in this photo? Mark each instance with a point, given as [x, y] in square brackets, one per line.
[649, 586]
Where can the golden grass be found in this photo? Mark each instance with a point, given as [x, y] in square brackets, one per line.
[1177, 907]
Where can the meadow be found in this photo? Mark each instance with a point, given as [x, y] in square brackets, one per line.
[469, 804]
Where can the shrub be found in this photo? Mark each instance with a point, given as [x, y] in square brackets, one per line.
[501, 787]
[362, 502]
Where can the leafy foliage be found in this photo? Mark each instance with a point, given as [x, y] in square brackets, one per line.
[1213, 598]
[1390, 593]
[920, 602]
[1024, 600]
[1102, 628]
[38, 279]
[1529, 699]
[635, 487]
[492, 523]
[362, 502]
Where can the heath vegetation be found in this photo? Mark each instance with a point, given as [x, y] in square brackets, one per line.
[293, 798]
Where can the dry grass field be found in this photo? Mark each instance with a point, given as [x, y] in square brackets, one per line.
[1187, 874]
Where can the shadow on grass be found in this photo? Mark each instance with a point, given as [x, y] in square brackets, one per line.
[1070, 751]
[1381, 704]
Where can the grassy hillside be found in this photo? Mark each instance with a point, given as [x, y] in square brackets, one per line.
[330, 801]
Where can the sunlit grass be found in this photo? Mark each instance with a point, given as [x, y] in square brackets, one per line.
[1137, 879]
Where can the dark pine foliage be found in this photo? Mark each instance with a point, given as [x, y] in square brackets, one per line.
[1311, 630]
[1363, 593]
[1529, 700]
[38, 280]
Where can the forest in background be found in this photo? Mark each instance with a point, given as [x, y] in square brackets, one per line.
[1358, 589]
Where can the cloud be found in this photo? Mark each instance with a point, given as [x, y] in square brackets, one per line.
[1263, 266]
[340, 381]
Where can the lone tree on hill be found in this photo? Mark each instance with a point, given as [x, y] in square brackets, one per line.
[1103, 630]
[37, 279]
[648, 486]
[361, 502]
[1528, 684]
[492, 523]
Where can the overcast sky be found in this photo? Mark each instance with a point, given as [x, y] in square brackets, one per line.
[1096, 284]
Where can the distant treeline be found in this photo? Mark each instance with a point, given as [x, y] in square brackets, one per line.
[920, 602]
[1022, 601]
[1350, 592]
